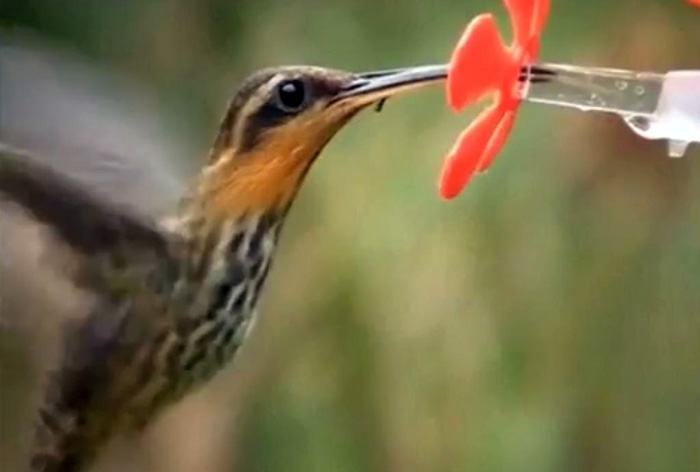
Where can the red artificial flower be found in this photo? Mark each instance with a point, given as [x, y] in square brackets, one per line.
[482, 64]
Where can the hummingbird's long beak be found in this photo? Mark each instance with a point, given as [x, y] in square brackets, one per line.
[371, 87]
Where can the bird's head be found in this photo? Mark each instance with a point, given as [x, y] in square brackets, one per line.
[277, 124]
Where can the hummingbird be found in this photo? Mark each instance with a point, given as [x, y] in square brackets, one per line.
[170, 302]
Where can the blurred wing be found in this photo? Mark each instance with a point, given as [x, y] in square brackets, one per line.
[92, 126]
[97, 130]
[81, 220]
[121, 261]
[101, 169]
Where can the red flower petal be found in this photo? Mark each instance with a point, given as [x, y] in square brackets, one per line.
[478, 63]
[497, 140]
[521, 14]
[540, 17]
[465, 156]
[527, 19]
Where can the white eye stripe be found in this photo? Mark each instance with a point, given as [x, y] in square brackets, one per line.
[265, 93]
[269, 89]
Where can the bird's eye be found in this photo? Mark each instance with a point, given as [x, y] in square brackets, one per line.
[292, 95]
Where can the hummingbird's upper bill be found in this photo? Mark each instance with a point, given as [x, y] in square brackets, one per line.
[371, 87]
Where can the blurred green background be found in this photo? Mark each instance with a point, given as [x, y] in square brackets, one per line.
[548, 319]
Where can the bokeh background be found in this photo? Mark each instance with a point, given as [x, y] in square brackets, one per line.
[548, 319]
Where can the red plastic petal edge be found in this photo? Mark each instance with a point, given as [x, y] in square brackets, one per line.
[521, 18]
[466, 154]
[477, 64]
[497, 140]
[540, 17]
